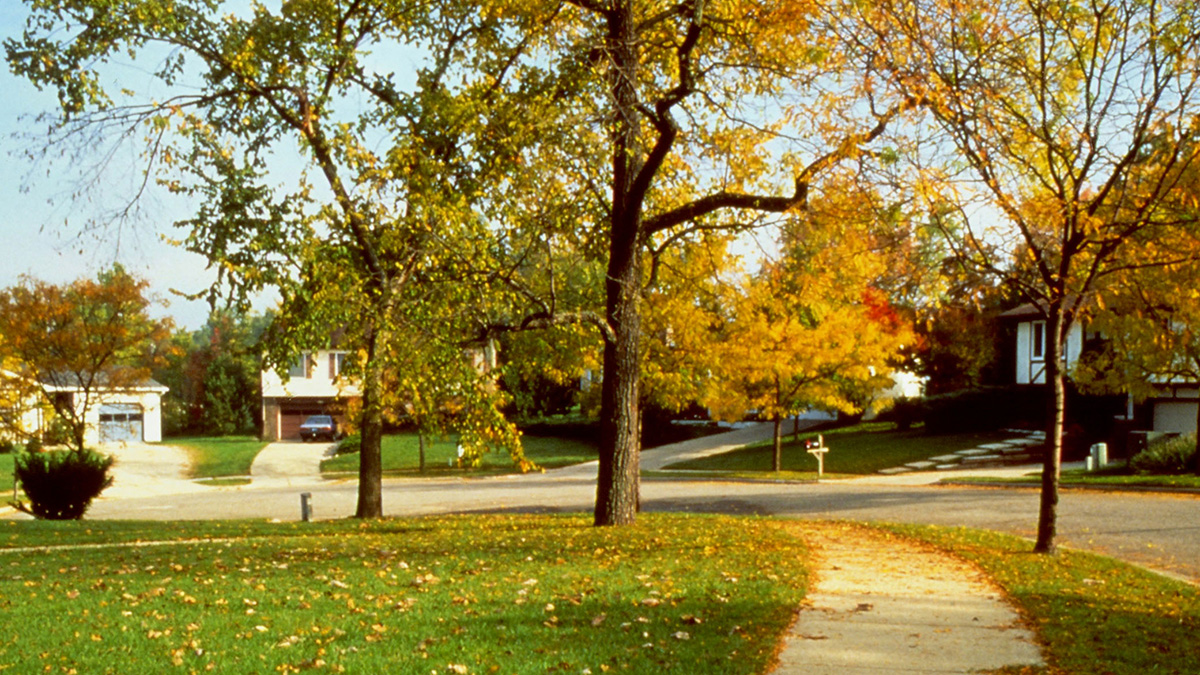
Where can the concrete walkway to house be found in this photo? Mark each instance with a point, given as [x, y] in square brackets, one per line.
[290, 464]
[143, 470]
[882, 604]
[655, 459]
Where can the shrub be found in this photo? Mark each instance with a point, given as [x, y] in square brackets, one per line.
[34, 445]
[350, 444]
[904, 412]
[1173, 455]
[6, 446]
[61, 485]
[980, 409]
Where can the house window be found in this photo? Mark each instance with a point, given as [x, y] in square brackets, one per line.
[336, 362]
[300, 367]
[1038, 340]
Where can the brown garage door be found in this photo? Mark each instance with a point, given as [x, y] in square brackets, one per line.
[290, 420]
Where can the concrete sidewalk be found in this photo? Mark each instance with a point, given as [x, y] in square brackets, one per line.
[882, 604]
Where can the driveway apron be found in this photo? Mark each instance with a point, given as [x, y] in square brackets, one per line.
[290, 464]
[144, 470]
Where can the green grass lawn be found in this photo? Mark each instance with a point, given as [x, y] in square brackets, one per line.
[860, 449]
[1095, 615]
[6, 475]
[214, 457]
[400, 456]
[479, 594]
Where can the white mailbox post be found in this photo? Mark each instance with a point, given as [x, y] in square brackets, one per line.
[818, 451]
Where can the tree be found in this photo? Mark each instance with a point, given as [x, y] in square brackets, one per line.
[1072, 123]
[813, 329]
[244, 98]
[67, 344]
[656, 122]
[214, 378]
[636, 124]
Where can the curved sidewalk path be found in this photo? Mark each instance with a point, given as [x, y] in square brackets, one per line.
[883, 604]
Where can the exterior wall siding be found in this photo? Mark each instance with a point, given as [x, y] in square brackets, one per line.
[317, 390]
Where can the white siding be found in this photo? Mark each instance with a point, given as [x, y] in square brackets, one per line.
[318, 384]
[1033, 371]
[150, 403]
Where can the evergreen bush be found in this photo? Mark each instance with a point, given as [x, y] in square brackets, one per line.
[61, 485]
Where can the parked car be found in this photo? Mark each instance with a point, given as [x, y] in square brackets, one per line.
[319, 426]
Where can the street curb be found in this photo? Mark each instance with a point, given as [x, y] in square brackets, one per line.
[721, 479]
[1153, 489]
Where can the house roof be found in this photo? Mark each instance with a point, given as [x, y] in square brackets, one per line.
[1031, 310]
[1027, 310]
[64, 381]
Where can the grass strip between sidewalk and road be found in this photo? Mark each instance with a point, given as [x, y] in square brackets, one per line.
[1094, 614]
[401, 456]
[855, 450]
[1079, 478]
[219, 456]
[478, 594]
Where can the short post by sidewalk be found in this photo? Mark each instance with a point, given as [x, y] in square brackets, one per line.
[818, 451]
[306, 506]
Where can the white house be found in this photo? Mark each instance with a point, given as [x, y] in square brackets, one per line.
[1173, 409]
[314, 386]
[115, 414]
[1032, 344]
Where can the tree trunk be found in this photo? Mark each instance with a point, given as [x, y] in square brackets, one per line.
[420, 451]
[1052, 464]
[620, 442]
[617, 486]
[370, 459]
[777, 454]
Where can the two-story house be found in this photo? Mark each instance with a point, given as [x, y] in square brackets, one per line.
[1172, 409]
[314, 386]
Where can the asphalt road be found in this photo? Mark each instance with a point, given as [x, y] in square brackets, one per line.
[1161, 531]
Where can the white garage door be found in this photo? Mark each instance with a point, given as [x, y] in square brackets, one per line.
[120, 422]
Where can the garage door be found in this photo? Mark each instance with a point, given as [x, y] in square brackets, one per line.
[291, 418]
[120, 422]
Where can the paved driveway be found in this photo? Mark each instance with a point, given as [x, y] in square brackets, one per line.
[143, 470]
[290, 463]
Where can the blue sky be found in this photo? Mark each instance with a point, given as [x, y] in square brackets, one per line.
[41, 231]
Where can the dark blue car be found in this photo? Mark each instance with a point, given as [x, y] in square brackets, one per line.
[319, 426]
